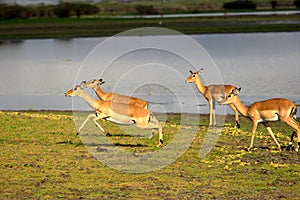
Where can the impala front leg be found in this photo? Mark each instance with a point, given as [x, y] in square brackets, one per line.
[236, 116]
[253, 135]
[210, 112]
[152, 134]
[100, 116]
[85, 121]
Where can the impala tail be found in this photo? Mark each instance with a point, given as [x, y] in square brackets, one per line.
[153, 119]
[293, 112]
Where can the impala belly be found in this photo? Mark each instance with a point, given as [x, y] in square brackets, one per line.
[119, 122]
[268, 115]
[120, 119]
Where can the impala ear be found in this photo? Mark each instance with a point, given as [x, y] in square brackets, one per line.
[102, 81]
[200, 71]
[82, 84]
[191, 71]
[236, 91]
[77, 87]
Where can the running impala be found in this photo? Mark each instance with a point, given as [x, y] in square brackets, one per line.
[267, 111]
[118, 113]
[213, 93]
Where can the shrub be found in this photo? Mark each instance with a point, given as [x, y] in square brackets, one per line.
[86, 9]
[274, 4]
[297, 3]
[68, 9]
[146, 10]
[239, 5]
[8, 11]
[63, 10]
[45, 11]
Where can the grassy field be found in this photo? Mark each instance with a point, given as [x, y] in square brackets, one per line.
[42, 158]
[94, 27]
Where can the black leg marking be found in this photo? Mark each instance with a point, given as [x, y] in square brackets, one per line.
[237, 124]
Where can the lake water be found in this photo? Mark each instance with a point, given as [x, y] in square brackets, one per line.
[34, 74]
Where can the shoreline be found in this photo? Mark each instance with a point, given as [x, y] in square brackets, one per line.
[45, 28]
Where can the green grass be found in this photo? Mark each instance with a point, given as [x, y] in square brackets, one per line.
[42, 158]
[94, 27]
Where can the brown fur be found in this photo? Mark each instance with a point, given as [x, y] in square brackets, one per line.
[213, 93]
[115, 97]
[264, 111]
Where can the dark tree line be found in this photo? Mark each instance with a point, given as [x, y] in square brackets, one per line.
[12, 11]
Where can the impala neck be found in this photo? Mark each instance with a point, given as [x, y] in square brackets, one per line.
[241, 107]
[202, 88]
[90, 100]
[99, 92]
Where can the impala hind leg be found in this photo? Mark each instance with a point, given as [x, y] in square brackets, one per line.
[272, 135]
[214, 114]
[160, 135]
[294, 124]
[154, 127]
[292, 141]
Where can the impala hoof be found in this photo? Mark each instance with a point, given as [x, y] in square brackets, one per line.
[290, 147]
[237, 124]
[161, 143]
[77, 133]
[107, 134]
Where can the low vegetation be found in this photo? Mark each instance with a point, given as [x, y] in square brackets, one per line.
[62, 10]
[70, 9]
[97, 19]
[42, 158]
[95, 27]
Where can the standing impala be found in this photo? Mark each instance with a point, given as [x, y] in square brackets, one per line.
[118, 113]
[115, 97]
[266, 111]
[213, 93]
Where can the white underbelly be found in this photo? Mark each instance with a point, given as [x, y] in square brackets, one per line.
[120, 119]
[273, 119]
[120, 122]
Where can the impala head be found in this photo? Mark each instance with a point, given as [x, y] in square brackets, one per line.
[93, 83]
[193, 77]
[230, 98]
[74, 91]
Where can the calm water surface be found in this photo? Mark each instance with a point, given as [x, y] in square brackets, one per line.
[34, 74]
